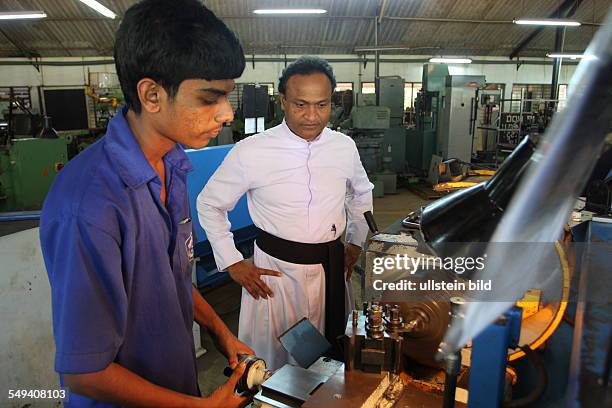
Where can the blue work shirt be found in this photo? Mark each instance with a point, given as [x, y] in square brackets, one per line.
[119, 264]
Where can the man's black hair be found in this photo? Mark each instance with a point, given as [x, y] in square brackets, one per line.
[305, 66]
[170, 41]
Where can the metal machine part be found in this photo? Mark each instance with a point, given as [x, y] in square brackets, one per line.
[255, 373]
[589, 371]
[374, 323]
[292, 386]
[489, 357]
[452, 361]
[471, 215]
[368, 345]
[377, 340]
[425, 318]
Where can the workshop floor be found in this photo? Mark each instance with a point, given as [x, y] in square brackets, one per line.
[226, 299]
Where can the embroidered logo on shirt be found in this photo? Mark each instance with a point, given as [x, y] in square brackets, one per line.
[189, 247]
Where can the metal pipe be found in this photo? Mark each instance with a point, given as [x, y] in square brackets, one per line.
[20, 216]
[279, 59]
[397, 355]
[382, 11]
[554, 83]
[452, 361]
[376, 63]
[423, 19]
[452, 367]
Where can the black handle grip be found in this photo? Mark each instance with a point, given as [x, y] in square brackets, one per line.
[228, 371]
[371, 222]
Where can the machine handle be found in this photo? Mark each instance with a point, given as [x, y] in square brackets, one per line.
[228, 371]
[371, 222]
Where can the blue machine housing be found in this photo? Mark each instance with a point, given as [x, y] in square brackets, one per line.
[205, 163]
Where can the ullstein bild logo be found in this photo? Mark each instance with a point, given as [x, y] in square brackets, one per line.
[458, 265]
[432, 285]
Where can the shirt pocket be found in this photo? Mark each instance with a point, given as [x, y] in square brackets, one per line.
[185, 248]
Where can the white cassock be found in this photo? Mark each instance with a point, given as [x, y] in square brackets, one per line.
[297, 190]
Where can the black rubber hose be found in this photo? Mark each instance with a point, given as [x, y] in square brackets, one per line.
[541, 385]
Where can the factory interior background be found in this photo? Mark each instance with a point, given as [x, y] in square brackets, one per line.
[442, 98]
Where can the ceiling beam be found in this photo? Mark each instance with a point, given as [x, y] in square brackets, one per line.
[340, 18]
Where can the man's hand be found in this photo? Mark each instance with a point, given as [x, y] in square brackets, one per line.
[351, 254]
[225, 396]
[248, 276]
[231, 347]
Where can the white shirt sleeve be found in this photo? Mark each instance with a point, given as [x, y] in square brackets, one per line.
[358, 200]
[219, 196]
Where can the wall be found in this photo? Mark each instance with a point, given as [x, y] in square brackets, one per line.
[27, 348]
[412, 72]
[54, 76]
[48, 76]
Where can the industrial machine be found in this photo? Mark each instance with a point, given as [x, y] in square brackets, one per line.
[391, 346]
[368, 126]
[394, 145]
[443, 117]
[379, 132]
[485, 125]
[28, 167]
[421, 141]
[205, 161]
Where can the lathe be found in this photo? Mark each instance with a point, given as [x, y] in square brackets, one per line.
[391, 346]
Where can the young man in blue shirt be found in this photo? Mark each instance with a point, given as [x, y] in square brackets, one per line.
[116, 231]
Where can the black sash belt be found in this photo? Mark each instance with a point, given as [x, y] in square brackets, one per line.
[331, 256]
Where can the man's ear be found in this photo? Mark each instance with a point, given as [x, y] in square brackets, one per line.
[283, 102]
[150, 94]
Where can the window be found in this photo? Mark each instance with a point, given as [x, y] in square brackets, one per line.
[411, 89]
[368, 88]
[343, 86]
[528, 91]
[536, 91]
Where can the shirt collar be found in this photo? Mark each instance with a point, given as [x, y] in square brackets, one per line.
[298, 138]
[131, 162]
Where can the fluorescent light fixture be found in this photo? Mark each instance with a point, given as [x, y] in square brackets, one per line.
[288, 11]
[547, 22]
[99, 8]
[366, 48]
[569, 56]
[445, 60]
[21, 15]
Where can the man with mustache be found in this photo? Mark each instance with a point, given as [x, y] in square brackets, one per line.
[304, 183]
[116, 232]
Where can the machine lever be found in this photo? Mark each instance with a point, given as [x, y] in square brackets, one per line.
[371, 222]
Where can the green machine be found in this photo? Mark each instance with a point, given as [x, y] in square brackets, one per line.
[443, 117]
[27, 169]
[421, 140]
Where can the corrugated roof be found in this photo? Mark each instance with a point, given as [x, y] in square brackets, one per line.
[73, 29]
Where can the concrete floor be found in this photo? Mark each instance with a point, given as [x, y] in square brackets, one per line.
[226, 299]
